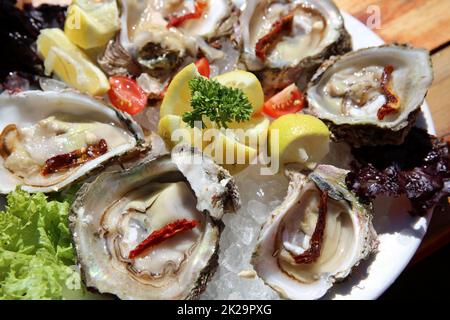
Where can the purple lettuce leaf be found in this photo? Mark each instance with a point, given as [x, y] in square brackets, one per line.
[418, 168]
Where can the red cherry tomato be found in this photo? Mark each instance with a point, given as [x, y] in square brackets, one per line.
[203, 67]
[126, 95]
[290, 100]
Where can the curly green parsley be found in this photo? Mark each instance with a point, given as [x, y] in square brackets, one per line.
[221, 104]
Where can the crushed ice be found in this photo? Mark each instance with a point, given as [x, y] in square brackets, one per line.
[260, 195]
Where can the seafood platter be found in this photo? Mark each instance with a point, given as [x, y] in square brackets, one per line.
[210, 149]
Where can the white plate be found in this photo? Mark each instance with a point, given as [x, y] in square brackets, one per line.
[400, 234]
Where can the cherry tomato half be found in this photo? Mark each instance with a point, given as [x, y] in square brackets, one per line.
[126, 95]
[203, 67]
[289, 100]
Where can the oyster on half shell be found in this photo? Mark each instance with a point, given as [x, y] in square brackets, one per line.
[49, 140]
[371, 96]
[286, 41]
[315, 237]
[149, 44]
[114, 214]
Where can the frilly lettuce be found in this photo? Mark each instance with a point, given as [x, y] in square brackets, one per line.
[37, 258]
[419, 168]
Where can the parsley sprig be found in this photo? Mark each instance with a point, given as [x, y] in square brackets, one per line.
[217, 102]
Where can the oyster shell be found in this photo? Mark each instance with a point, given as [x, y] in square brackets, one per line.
[148, 43]
[371, 96]
[292, 257]
[117, 211]
[286, 41]
[37, 127]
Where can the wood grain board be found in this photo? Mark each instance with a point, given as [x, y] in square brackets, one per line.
[439, 94]
[423, 23]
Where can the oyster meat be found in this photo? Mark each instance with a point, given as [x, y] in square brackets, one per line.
[49, 140]
[113, 215]
[286, 41]
[315, 237]
[372, 96]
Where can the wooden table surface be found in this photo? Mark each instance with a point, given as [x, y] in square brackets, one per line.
[426, 24]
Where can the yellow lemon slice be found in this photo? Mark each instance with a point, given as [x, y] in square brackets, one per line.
[229, 148]
[248, 83]
[298, 138]
[177, 99]
[229, 153]
[251, 133]
[49, 38]
[173, 130]
[91, 24]
[69, 63]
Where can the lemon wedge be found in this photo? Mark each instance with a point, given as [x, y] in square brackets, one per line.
[173, 130]
[232, 148]
[239, 145]
[253, 132]
[69, 63]
[248, 83]
[230, 153]
[91, 24]
[49, 38]
[177, 99]
[298, 138]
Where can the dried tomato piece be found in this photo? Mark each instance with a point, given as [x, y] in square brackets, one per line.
[313, 253]
[158, 236]
[279, 29]
[384, 111]
[75, 158]
[200, 7]
[391, 98]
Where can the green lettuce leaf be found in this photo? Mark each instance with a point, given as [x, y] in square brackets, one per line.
[37, 258]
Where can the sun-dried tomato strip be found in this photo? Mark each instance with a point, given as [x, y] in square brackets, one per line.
[391, 98]
[279, 29]
[75, 158]
[158, 236]
[200, 7]
[313, 253]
